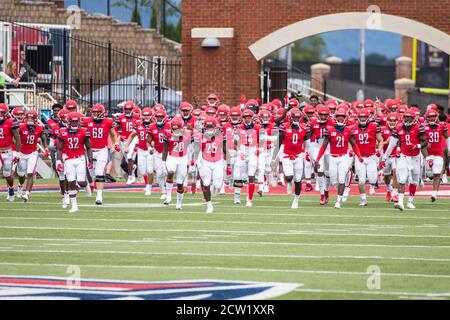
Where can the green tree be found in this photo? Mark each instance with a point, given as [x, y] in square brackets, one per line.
[309, 49]
[133, 6]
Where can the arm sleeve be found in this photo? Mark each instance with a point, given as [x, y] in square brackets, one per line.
[391, 146]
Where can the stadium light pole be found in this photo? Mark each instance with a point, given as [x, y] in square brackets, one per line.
[108, 8]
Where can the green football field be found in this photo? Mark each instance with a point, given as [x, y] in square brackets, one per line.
[329, 253]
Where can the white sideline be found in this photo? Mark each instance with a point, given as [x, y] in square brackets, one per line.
[237, 232]
[394, 226]
[240, 255]
[376, 292]
[208, 268]
[299, 244]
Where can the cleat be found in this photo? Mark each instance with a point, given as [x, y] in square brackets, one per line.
[309, 187]
[363, 203]
[433, 199]
[410, 205]
[65, 201]
[10, 198]
[178, 206]
[372, 191]
[167, 202]
[399, 206]
[99, 202]
[131, 180]
[73, 210]
[260, 193]
[25, 197]
[394, 199]
[209, 208]
[88, 191]
[19, 192]
[294, 204]
[163, 196]
[345, 194]
[237, 201]
[322, 200]
[337, 205]
[148, 190]
[249, 203]
[388, 196]
[444, 179]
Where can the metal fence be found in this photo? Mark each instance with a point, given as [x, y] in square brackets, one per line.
[69, 67]
[348, 90]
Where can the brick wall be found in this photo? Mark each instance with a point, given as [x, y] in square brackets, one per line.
[232, 70]
[128, 36]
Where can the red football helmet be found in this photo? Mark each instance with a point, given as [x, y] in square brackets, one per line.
[432, 117]
[264, 116]
[74, 120]
[147, 114]
[392, 120]
[323, 113]
[128, 108]
[293, 103]
[341, 117]
[247, 116]
[223, 111]
[186, 110]
[197, 112]
[210, 125]
[136, 111]
[71, 105]
[18, 114]
[416, 111]
[277, 103]
[235, 115]
[210, 111]
[295, 115]
[363, 116]
[62, 115]
[432, 107]
[159, 106]
[31, 117]
[98, 111]
[3, 112]
[212, 100]
[177, 126]
[368, 103]
[309, 110]
[160, 116]
[409, 118]
[332, 107]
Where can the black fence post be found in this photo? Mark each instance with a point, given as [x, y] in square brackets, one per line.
[266, 86]
[109, 76]
[324, 89]
[159, 79]
[91, 91]
[64, 65]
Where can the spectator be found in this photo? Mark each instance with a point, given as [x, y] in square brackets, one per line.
[314, 100]
[26, 72]
[7, 78]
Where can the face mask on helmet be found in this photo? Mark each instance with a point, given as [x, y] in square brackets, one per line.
[147, 118]
[210, 130]
[74, 124]
[265, 120]
[323, 118]
[363, 120]
[247, 120]
[2, 116]
[340, 120]
[159, 120]
[186, 113]
[235, 119]
[295, 120]
[392, 123]
[31, 121]
[408, 121]
[128, 111]
[432, 120]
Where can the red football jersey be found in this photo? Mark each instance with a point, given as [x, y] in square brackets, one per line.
[409, 138]
[29, 138]
[317, 129]
[248, 137]
[268, 131]
[178, 145]
[293, 140]
[141, 130]
[157, 133]
[126, 125]
[228, 130]
[6, 128]
[191, 121]
[339, 139]
[73, 142]
[99, 132]
[366, 138]
[435, 137]
[212, 148]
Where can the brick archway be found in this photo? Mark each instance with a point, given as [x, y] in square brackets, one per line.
[232, 69]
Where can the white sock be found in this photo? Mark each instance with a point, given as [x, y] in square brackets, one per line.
[99, 194]
[209, 204]
[434, 193]
[410, 199]
[401, 196]
[180, 196]
[321, 182]
[327, 183]
[339, 198]
[363, 196]
[296, 197]
[389, 187]
[394, 191]
[169, 187]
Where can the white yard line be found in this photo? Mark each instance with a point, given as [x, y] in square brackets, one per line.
[231, 269]
[221, 222]
[374, 292]
[240, 255]
[240, 243]
[237, 232]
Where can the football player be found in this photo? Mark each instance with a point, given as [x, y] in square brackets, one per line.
[413, 141]
[390, 177]
[9, 136]
[73, 144]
